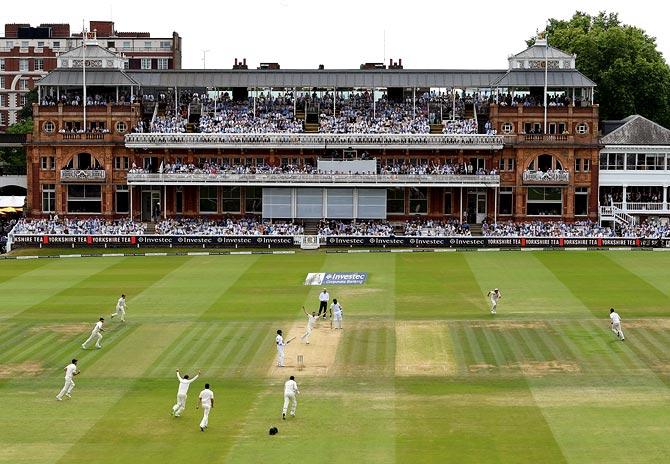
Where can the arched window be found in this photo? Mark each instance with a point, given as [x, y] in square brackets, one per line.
[83, 161]
[544, 163]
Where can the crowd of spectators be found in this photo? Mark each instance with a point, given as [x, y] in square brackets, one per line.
[647, 229]
[435, 169]
[75, 99]
[168, 124]
[71, 226]
[6, 226]
[249, 226]
[358, 228]
[460, 126]
[436, 228]
[243, 121]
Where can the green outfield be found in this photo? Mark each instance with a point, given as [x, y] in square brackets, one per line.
[421, 373]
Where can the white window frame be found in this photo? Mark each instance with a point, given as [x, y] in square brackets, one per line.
[49, 194]
[143, 63]
[582, 128]
[24, 65]
[163, 63]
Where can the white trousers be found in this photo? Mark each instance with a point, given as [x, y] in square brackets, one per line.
[337, 320]
[305, 336]
[94, 336]
[494, 305]
[67, 388]
[178, 408]
[616, 328]
[280, 356]
[294, 403]
[205, 415]
[121, 313]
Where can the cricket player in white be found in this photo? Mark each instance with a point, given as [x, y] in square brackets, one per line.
[311, 321]
[336, 313]
[290, 393]
[95, 334]
[279, 340]
[70, 371]
[206, 398]
[184, 383]
[324, 297]
[495, 296]
[615, 322]
[120, 308]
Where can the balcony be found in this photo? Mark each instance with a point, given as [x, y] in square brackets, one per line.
[317, 141]
[316, 180]
[551, 177]
[643, 208]
[83, 175]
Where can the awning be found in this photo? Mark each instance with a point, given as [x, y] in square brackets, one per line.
[524, 78]
[12, 201]
[100, 78]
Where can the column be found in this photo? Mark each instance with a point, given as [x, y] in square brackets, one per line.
[665, 197]
[624, 205]
[460, 206]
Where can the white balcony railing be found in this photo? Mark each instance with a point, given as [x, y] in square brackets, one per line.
[317, 140]
[641, 207]
[82, 175]
[314, 180]
[548, 177]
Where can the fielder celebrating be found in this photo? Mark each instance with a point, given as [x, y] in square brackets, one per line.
[184, 383]
[70, 371]
[95, 334]
[615, 323]
[120, 309]
[206, 398]
[336, 314]
[311, 321]
[290, 393]
[495, 296]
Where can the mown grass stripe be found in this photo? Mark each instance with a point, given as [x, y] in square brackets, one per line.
[514, 344]
[12, 338]
[494, 347]
[370, 356]
[486, 349]
[606, 350]
[646, 350]
[216, 343]
[534, 345]
[572, 338]
[475, 348]
[24, 342]
[391, 343]
[39, 343]
[218, 359]
[254, 336]
[649, 337]
[172, 356]
[199, 344]
[551, 340]
[460, 361]
[257, 364]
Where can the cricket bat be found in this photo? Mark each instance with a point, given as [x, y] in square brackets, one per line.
[289, 340]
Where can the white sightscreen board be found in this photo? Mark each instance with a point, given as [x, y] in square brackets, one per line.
[309, 203]
[276, 203]
[340, 203]
[372, 203]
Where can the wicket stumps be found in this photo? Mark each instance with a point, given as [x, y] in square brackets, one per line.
[301, 362]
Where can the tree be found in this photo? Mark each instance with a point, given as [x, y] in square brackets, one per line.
[27, 111]
[16, 156]
[632, 76]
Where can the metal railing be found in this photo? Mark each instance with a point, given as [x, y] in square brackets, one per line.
[548, 177]
[312, 179]
[82, 175]
[318, 140]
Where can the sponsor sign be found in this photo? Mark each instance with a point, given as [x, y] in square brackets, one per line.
[276, 241]
[336, 278]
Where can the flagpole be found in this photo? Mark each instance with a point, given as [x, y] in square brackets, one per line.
[546, 74]
[83, 72]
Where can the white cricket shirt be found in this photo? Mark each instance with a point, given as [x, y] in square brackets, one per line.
[206, 397]
[70, 369]
[336, 308]
[279, 340]
[290, 387]
[121, 303]
[97, 327]
[615, 318]
[311, 320]
[184, 384]
[324, 296]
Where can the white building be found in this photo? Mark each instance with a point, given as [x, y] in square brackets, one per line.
[634, 170]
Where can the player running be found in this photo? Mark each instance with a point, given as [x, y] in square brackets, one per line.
[70, 371]
[311, 322]
[206, 399]
[184, 383]
[95, 334]
[494, 295]
[615, 323]
[120, 309]
[290, 393]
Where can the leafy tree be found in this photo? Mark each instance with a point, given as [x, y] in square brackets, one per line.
[27, 111]
[632, 76]
[16, 156]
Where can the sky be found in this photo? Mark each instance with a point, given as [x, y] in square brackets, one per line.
[342, 33]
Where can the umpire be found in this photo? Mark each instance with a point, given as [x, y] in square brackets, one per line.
[324, 297]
